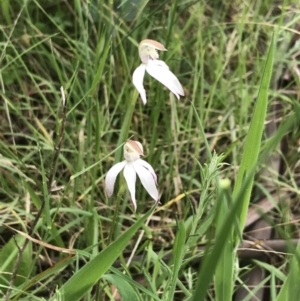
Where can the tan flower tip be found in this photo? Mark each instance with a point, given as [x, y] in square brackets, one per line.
[133, 150]
[148, 50]
[135, 146]
[152, 43]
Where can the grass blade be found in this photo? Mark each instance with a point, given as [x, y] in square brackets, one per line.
[241, 197]
[85, 278]
[224, 270]
[253, 140]
[178, 253]
[8, 256]
[211, 259]
[291, 289]
[125, 290]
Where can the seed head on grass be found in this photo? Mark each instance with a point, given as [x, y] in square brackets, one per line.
[132, 166]
[156, 68]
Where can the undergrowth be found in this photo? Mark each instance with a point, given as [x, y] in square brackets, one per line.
[230, 142]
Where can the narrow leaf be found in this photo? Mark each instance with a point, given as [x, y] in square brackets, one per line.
[125, 290]
[291, 289]
[253, 140]
[83, 280]
[225, 267]
[178, 253]
[8, 255]
[241, 197]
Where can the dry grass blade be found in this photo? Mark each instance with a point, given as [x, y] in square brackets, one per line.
[42, 243]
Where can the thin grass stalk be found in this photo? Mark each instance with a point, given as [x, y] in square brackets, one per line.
[126, 125]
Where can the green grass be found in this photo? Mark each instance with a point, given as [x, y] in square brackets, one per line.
[238, 65]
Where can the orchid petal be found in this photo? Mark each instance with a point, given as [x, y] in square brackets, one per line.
[161, 72]
[111, 176]
[146, 178]
[137, 79]
[130, 177]
[149, 167]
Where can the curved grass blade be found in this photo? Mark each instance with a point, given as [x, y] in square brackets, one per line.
[81, 282]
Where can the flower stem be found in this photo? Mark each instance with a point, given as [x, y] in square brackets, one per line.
[121, 192]
[126, 125]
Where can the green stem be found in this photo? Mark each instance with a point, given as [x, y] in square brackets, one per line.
[126, 125]
[121, 192]
[118, 157]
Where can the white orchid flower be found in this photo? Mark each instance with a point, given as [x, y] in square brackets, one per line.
[132, 166]
[156, 68]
